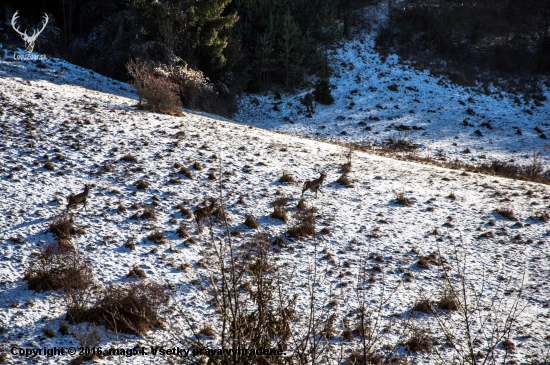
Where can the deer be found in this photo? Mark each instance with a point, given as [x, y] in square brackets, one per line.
[78, 198]
[314, 185]
[29, 40]
[204, 211]
[308, 101]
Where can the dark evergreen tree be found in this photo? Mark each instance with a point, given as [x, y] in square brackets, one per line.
[209, 30]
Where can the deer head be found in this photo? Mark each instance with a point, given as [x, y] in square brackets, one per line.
[29, 40]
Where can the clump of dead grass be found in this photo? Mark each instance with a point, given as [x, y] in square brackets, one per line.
[305, 224]
[402, 199]
[287, 178]
[251, 222]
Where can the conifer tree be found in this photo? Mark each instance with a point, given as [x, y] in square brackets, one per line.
[209, 31]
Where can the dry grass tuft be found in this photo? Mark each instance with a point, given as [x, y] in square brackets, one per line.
[251, 222]
[344, 180]
[279, 213]
[184, 210]
[137, 272]
[305, 224]
[182, 232]
[448, 302]
[197, 165]
[157, 237]
[61, 227]
[423, 306]
[401, 199]
[325, 230]
[419, 342]
[508, 345]
[207, 331]
[506, 213]
[302, 204]
[129, 158]
[49, 332]
[286, 178]
[141, 184]
[346, 167]
[49, 166]
[148, 213]
[186, 172]
[63, 328]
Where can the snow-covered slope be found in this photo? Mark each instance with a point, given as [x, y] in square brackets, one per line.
[84, 124]
[379, 98]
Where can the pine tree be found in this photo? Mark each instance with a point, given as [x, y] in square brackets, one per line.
[209, 31]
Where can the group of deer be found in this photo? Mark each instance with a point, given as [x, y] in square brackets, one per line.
[203, 210]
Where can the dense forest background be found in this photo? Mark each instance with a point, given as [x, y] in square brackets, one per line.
[226, 46]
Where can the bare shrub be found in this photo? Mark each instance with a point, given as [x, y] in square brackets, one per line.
[58, 268]
[286, 178]
[61, 226]
[160, 93]
[251, 222]
[302, 204]
[304, 226]
[128, 308]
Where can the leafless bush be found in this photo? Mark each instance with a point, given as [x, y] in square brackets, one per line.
[160, 93]
[476, 312]
[62, 226]
[58, 267]
[128, 308]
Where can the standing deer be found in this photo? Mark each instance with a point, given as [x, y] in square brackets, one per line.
[29, 40]
[308, 101]
[314, 185]
[78, 198]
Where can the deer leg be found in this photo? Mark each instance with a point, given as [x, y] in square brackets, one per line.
[321, 191]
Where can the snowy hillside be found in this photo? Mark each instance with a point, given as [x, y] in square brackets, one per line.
[377, 99]
[63, 127]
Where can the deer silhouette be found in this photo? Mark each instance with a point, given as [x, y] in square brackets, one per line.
[314, 185]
